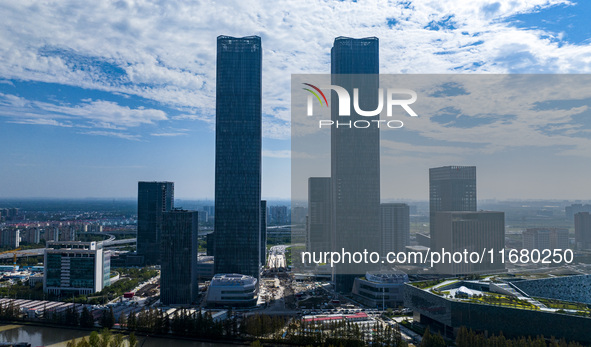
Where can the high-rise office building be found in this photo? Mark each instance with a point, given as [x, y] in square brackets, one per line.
[583, 230]
[471, 231]
[75, 268]
[263, 232]
[10, 237]
[210, 210]
[154, 198]
[545, 238]
[573, 209]
[298, 215]
[395, 227]
[179, 244]
[319, 215]
[31, 234]
[451, 188]
[210, 244]
[238, 156]
[355, 156]
[278, 215]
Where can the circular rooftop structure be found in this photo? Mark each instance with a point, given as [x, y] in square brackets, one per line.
[232, 280]
[386, 276]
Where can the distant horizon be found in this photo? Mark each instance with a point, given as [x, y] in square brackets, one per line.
[575, 201]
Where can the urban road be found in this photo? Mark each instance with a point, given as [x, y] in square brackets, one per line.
[39, 251]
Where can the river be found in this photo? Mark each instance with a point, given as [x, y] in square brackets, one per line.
[56, 337]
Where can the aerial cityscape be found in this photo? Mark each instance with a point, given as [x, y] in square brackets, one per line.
[234, 195]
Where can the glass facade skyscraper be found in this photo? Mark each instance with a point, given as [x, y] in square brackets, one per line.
[154, 198]
[472, 232]
[355, 156]
[451, 188]
[583, 230]
[395, 227]
[179, 244]
[319, 225]
[238, 156]
[263, 232]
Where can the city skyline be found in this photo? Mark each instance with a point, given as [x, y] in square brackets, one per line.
[87, 113]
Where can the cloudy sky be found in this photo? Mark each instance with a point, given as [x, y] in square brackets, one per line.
[95, 96]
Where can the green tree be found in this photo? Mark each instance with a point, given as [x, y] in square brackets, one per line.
[108, 318]
[94, 339]
[83, 343]
[132, 340]
[430, 340]
[71, 316]
[105, 337]
[122, 320]
[86, 319]
[132, 321]
[117, 341]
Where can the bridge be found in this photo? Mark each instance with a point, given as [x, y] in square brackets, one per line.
[111, 242]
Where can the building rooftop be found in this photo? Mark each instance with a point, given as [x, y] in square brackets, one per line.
[232, 280]
[336, 317]
[75, 245]
[386, 276]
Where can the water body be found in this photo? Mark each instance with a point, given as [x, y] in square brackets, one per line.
[56, 337]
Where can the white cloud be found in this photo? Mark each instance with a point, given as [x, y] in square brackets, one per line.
[277, 154]
[207, 119]
[113, 134]
[9, 100]
[169, 134]
[166, 51]
[89, 113]
[107, 112]
[41, 121]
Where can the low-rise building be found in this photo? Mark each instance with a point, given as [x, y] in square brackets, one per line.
[234, 290]
[493, 308]
[74, 267]
[380, 289]
[205, 267]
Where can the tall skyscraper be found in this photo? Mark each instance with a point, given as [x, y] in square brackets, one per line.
[238, 156]
[395, 227]
[471, 231]
[154, 198]
[263, 232]
[179, 244]
[319, 215]
[583, 230]
[451, 188]
[355, 156]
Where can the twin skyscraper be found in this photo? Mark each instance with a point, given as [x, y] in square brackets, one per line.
[239, 239]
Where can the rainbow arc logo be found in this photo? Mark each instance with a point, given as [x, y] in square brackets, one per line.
[315, 94]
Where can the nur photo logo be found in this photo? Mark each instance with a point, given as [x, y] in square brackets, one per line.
[390, 97]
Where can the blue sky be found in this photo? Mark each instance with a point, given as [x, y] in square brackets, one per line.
[95, 96]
